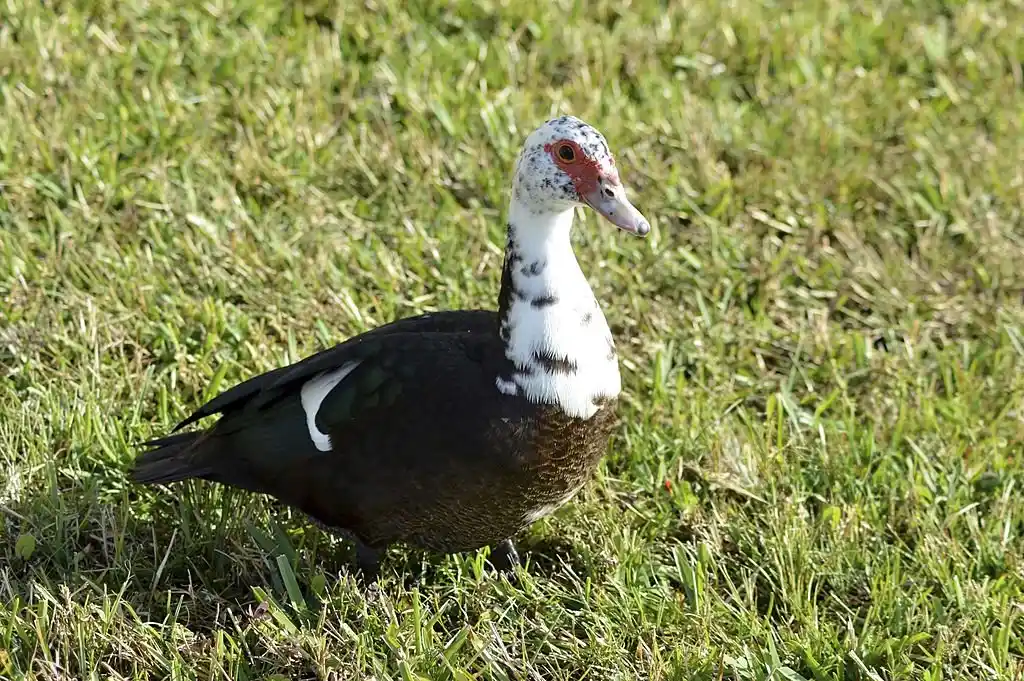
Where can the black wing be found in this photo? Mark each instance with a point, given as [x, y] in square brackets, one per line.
[267, 387]
[385, 409]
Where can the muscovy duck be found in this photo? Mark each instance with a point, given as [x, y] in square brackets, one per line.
[447, 431]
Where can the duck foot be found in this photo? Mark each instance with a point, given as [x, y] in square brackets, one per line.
[504, 556]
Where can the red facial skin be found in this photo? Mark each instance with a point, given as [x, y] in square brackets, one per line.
[584, 171]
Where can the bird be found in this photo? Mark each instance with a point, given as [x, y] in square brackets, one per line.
[447, 431]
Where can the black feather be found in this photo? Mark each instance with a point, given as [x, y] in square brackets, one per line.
[170, 461]
[469, 321]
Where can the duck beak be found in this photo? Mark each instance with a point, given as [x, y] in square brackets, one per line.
[609, 199]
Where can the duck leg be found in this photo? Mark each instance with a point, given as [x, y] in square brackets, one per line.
[368, 560]
[504, 556]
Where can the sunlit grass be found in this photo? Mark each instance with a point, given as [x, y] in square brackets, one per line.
[817, 474]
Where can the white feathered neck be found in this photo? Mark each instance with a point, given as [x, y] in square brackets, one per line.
[554, 331]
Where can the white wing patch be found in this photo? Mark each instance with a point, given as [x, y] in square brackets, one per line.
[312, 395]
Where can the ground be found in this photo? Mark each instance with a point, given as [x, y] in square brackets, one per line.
[817, 474]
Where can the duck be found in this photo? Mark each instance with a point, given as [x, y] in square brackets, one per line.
[447, 431]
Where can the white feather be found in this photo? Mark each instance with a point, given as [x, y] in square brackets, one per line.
[312, 396]
[558, 329]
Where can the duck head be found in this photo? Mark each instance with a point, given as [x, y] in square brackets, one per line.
[566, 162]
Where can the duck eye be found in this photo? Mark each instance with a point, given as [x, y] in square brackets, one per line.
[566, 153]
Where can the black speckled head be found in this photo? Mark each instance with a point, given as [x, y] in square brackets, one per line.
[566, 161]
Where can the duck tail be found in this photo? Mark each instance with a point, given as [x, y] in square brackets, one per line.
[173, 459]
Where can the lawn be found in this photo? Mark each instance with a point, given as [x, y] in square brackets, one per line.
[817, 472]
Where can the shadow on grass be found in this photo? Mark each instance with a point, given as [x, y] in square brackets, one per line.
[196, 553]
[162, 562]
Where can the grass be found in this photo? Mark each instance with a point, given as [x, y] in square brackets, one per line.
[817, 474]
